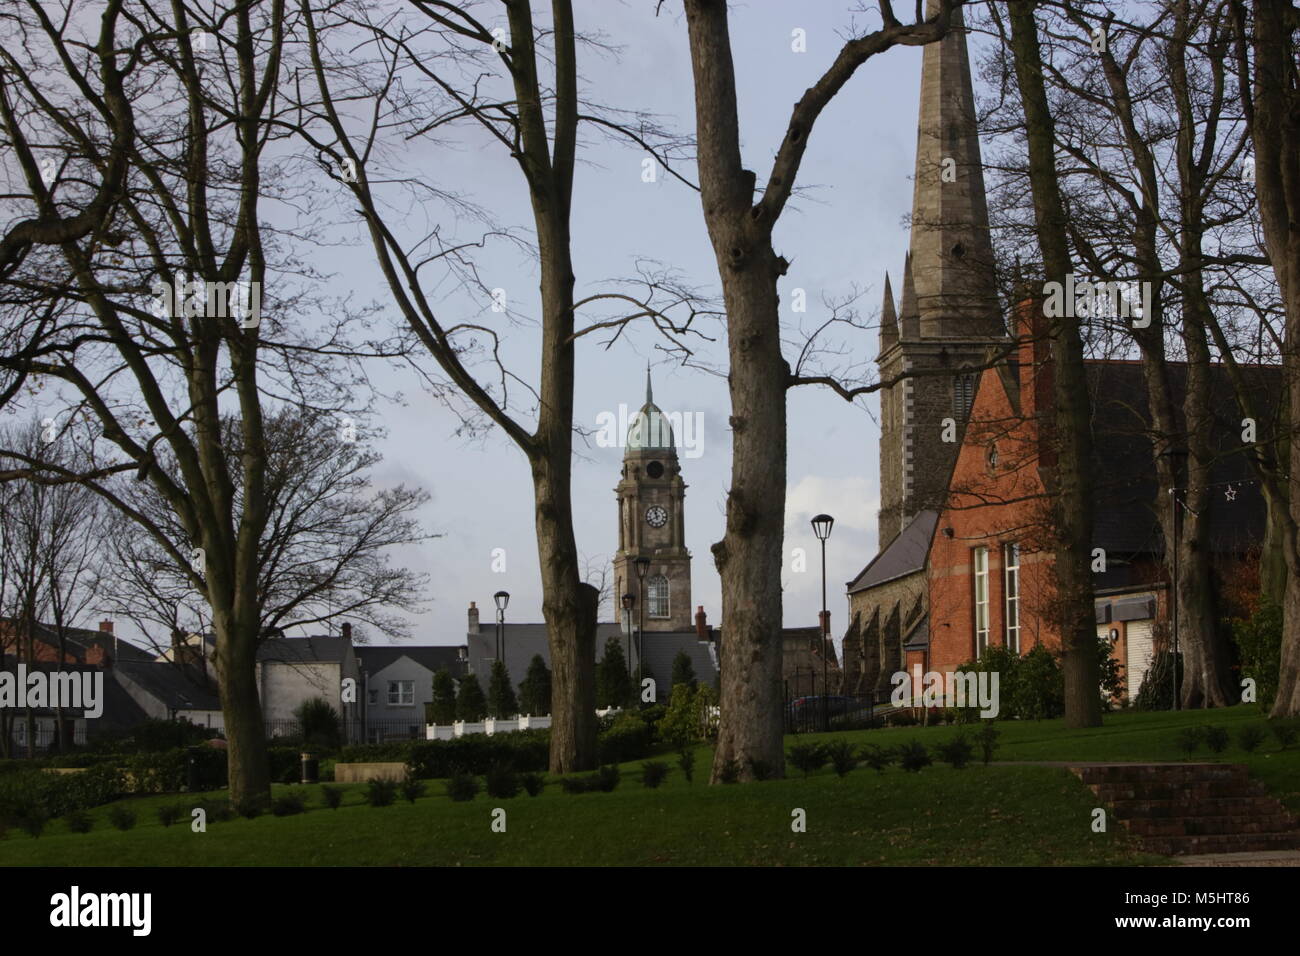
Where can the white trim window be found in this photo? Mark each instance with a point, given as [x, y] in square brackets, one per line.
[1011, 590]
[657, 596]
[401, 693]
[980, 566]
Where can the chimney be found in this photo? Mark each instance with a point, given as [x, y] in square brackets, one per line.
[473, 617]
[1035, 369]
[347, 631]
[824, 619]
[701, 624]
[106, 627]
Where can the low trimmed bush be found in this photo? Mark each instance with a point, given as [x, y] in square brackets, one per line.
[1250, 737]
[533, 783]
[956, 751]
[78, 821]
[462, 787]
[807, 756]
[381, 792]
[842, 756]
[1189, 740]
[289, 804]
[501, 782]
[1216, 738]
[987, 738]
[331, 796]
[121, 817]
[1284, 732]
[913, 757]
[653, 773]
[169, 813]
[412, 788]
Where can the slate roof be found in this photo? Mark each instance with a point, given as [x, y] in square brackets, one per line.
[522, 641]
[906, 554]
[304, 649]
[167, 683]
[79, 639]
[119, 710]
[434, 657]
[1124, 477]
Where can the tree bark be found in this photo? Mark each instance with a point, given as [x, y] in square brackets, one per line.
[1071, 476]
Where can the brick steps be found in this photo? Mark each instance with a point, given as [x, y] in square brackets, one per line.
[1180, 809]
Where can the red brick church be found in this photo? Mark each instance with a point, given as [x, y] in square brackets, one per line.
[966, 453]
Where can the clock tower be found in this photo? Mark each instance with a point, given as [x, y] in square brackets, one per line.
[651, 524]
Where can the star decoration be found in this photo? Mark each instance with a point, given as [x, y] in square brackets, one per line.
[1230, 494]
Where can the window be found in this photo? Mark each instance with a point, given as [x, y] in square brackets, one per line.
[374, 696]
[657, 596]
[963, 394]
[401, 693]
[1011, 588]
[980, 563]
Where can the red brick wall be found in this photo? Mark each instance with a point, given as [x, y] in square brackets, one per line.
[989, 506]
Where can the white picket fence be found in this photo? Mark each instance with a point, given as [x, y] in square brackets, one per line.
[495, 725]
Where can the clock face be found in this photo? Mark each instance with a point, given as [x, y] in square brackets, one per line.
[656, 516]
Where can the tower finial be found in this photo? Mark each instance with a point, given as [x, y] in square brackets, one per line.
[649, 395]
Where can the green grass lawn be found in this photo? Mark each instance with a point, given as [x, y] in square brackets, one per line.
[1002, 814]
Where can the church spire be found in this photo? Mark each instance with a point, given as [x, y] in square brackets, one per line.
[888, 320]
[910, 318]
[649, 396]
[954, 282]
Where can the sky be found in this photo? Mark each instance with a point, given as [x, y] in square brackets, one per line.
[841, 237]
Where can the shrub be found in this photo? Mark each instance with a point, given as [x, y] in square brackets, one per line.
[502, 782]
[1285, 732]
[157, 736]
[78, 821]
[462, 787]
[653, 773]
[842, 756]
[122, 817]
[913, 756]
[1260, 640]
[288, 805]
[169, 813]
[381, 792]
[533, 783]
[526, 750]
[761, 769]
[987, 738]
[613, 682]
[729, 772]
[251, 808]
[331, 796]
[877, 758]
[33, 822]
[501, 696]
[1157, 692]
[1189, 739]
[955, 751]
[683, 670]
[1038, 691]
[1216, 738]
[628, 739]
[218, 811]
[807, 757]
[1250, 737]
[319, 724]
[412, 788]
[606, 778]
[902, 718]
[686, 761]
[575, 784]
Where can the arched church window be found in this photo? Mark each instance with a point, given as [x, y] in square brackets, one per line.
[657, 596]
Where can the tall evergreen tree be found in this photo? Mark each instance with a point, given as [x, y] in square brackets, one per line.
[535, 689]
[683, 670]
[501, 696]
[613, 683]
[442, 709]
[471, 705]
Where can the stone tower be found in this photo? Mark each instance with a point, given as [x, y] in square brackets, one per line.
[651, 523]
[948, 314]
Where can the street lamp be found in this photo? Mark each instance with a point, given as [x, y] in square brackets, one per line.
[821, 525]
[629, 602]
[502, 598]
[642, 567]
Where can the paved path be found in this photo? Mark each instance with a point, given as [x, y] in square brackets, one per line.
[1262, 858]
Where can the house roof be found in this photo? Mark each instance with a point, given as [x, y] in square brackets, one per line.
[434, 657]
[170, 684]
[80, 639]
[906, 554]
[300, 650]
[118, 709]
[1125, 486]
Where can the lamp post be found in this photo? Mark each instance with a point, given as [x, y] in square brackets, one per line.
[502, 598]
[642, 567]
[821, 525]
[629, 602]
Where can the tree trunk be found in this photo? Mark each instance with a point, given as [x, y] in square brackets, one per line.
[246, 753]
[1071, 425]
[748, 557]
